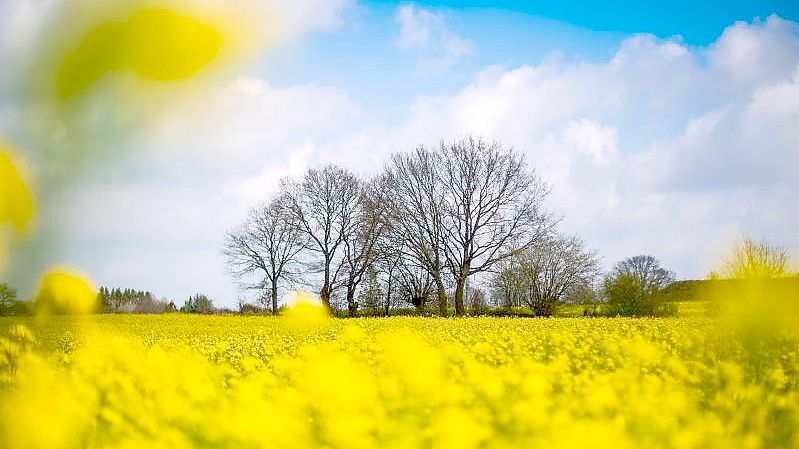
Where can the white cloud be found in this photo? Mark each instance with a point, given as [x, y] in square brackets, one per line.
[290, 20]
[598, 141]
[424, 30]
[755, 53]
[655, 150]
[663, 148]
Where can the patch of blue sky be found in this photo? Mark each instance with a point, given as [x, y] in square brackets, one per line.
[699, 22]
[362, 57]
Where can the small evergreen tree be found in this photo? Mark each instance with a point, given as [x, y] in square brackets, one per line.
[371, 296]
[198, 303]
[8, 301]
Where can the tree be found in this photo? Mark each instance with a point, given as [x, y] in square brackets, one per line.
[267, 244]
[477, 300]
[543, 274]
[198, 303]
[123, 300]
[507, 284]
[647, 271]
[626, 296]
[389, 257]
[753, 259]
[9, 305]
[635, 287]
[415, 208]
[323, 205]
[359, 245]
[492, 208]
[372, 295]
[414, 284]
[149, 304]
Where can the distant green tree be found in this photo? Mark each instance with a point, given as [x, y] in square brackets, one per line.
[9, 305]
[636, 287]
[198, 303]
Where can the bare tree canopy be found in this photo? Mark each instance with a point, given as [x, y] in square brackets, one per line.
[267, 245]
[544, 273]
[324, 204]
[368, 223]
[415, 212]
[646, 270]
[753, 259]
[421, 228]
[492, 208]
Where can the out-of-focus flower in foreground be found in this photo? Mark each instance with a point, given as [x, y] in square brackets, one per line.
[305, 309]
[16, 202]
[154, 43]
[64, 292]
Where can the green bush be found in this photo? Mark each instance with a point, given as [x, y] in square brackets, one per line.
[627, 296]
[9, 304]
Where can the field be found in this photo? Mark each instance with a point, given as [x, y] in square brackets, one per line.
[182, 381]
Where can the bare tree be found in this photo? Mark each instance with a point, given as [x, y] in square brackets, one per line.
[414, 284]
[492, 207]
[389, 256]
[553, 267]
[359, 245]
[507, 284]
[753, 259]
[324, 205]
[646, 270]
[150, 304]
[415, 211]
[267, 244]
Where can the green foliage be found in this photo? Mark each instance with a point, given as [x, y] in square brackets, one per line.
[198, 303]
[9, 304]
[628, 296]
[118, 299]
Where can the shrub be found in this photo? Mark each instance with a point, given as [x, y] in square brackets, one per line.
[627, 296]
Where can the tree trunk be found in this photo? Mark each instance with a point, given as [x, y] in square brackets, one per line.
[324, 295]
[459, 289]
[274, 298]
[388, 295]
[441, 293]
[352, 306]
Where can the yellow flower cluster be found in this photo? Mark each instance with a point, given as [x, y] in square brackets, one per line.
[16, 204]
[182, 381]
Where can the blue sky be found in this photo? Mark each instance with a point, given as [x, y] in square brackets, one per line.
[663, 128]
[361, 55]
[698, 22]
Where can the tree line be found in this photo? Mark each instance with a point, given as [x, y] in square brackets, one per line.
[437, 230]
[420, 229]
[416, 233]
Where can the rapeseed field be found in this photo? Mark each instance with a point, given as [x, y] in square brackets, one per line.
[185, 381]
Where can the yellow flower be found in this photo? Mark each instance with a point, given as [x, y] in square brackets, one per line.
[63, 292]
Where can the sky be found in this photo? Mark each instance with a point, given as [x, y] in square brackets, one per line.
[663, 128]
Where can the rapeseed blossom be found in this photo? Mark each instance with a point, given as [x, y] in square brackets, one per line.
[16, 202]
[231, 381]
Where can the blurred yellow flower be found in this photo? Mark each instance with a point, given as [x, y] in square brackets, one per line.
[64, 292]
[155, 43]
[169, 381]
[16, 202]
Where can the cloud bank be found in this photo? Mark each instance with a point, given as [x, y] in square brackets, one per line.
[663, 149]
